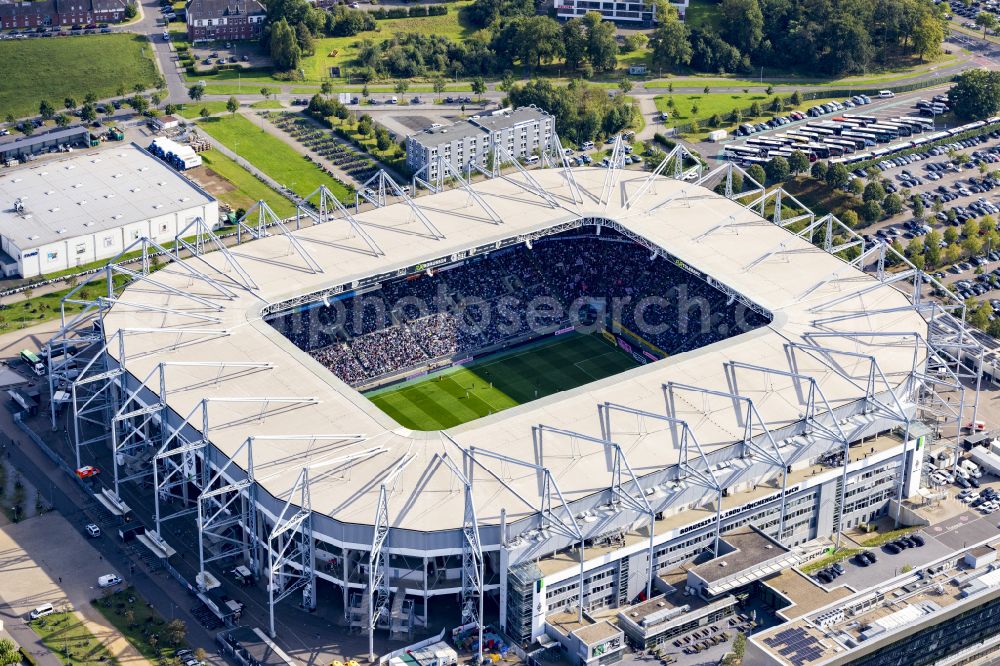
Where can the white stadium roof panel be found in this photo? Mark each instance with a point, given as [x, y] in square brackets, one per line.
[426, 497]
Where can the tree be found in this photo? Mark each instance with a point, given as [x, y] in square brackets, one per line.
[382, 139]
[892, 204]
[756, 172]
[204, 113]
[950, 235]
[918, 208]
[928, 35]
[232, 104]
[62, 120]
[88, 112]
[479, 86]
[574, 37]
[602, 47]
[855, 186]
[91, 98]
[976, 94]
[755, 109]
[798, 162]
[438, 84]
[932, 248]
[266, 92]
[196, 92]
[795, 99]
[625, 85]
[506, 81]
[155, 99]
[970, 228]
[972, 245]
[850, 218]
[819, 169]
[987, 21]
[837, 175]
[365, 125]
[871, 211]
[46, 110]
[285, 50]
[671, 45]
[401, 87]
[742, 23]
[176, 631]
[131, 11]
[304, 38]
[873, 192]
[777, 169]
[952, 253]
[9, 653]
[69, 102]
[769, 91]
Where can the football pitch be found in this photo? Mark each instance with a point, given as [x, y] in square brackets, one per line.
[457, 395]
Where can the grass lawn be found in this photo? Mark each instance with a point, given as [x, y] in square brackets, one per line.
[272, 155]
[708, 105]
[53, 69]
[192, 110]
[70, 641]
[341, 51]
[136, 621]
[23, 310]
[267, 104]
[457, 395]
[246, 191]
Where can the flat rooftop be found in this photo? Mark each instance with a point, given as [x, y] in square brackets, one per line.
[590, 632]
[749, 547]
[481, 126]
[807, 290]
[867, 616]
[90, 192]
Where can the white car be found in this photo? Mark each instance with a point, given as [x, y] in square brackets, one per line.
[108, 580]
[92, 530]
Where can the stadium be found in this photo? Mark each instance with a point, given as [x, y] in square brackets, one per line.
[535, 393]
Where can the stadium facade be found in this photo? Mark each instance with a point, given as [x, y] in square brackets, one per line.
[577, 501]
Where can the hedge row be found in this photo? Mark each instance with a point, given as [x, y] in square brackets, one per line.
[409, 12]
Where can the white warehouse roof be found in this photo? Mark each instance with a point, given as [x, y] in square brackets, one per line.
[90, 192]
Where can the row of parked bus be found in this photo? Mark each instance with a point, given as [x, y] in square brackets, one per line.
[841, 138]
[916, 143]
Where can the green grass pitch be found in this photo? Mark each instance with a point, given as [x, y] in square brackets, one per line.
[457, 395]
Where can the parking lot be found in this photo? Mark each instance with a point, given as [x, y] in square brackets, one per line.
[952, 193]
[208, 56]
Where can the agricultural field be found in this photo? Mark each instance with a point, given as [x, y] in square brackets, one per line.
[53, 69]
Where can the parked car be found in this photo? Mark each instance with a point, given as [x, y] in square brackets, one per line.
[108, 580]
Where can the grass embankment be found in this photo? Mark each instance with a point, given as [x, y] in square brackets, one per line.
[65, 635]
[272, 156]
[886, 537]
[33, 70]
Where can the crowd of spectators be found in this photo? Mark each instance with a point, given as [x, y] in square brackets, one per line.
[510, 294]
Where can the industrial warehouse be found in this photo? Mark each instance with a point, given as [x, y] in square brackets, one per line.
[801, 410]
[64, 213]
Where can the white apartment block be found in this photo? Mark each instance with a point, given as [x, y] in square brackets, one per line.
[519, 131]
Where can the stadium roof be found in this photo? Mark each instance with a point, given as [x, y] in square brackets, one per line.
[774, 268]
[90, 192]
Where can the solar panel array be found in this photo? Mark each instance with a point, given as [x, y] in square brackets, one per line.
[796, 645]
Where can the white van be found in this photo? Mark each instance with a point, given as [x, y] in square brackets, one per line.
[962, 473]
[972, 468]
[531, 159]
[41, 611]
[108, 580]
[394, 100]
[886, 94]
[587, 145]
